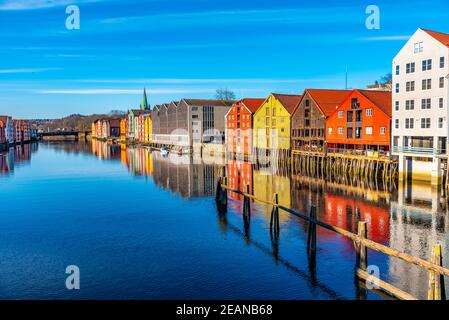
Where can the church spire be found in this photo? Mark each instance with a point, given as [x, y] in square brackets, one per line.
[144, 105]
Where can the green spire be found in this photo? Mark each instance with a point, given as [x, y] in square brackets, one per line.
[144, 105]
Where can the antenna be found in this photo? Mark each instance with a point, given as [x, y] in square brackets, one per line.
[346, 78]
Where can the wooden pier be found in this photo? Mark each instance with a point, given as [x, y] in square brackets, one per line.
[436, 288]
[347, 166]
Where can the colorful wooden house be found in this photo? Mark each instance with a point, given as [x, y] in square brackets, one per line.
[271, 123]
[239, 126]
[309, 119]
[148, 128]
[123, 129]
[2, 134]
[361, 124]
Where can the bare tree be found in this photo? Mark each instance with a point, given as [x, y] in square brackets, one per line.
[387, 80]
[224, 94]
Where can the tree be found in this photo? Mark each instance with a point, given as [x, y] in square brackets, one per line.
[224, 94]
[387, 80]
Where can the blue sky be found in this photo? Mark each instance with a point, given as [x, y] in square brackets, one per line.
[188, 48]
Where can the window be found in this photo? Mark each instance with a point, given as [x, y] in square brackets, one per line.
[409, 123]
[340, 130]
[354, 103]
[427, 65]
[194, 108]
[409, 104]
[397, 87]
[440, 123]
[410, 67]
[410, 86]
[427, 84]
[426, 103]
[425, 123]
[396, 106]
[442, 82]
[383, 130]
[330, 130]
[441, 104]
[369, 112]
[274, 112]
[369, 130]
[418, 47]
[307, 103]
[397, 70]
[442, 62]
[396, 123]
[340, 114]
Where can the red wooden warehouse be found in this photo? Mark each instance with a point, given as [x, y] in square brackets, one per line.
[361, 124]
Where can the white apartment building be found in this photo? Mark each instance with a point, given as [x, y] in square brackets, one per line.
[420, 106]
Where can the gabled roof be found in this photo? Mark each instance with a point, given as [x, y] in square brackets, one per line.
[252, 104]
[382, 99]
[328, 100]
[441, 37]
[207, 102]
[288, 101]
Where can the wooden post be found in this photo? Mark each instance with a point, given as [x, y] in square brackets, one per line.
[311, 235]
[361, 251]
[246, 204]
[274, 221]
[437, 289]
[218, 191]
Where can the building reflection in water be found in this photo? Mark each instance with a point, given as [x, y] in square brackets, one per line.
[410, 219]
[180, 174]
[418, 220]
[16, 157]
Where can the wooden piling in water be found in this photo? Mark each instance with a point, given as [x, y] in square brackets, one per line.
[361, 251]
[437, 290]
[311, 234]
[274, 221]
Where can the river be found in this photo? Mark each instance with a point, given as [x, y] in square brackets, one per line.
[143, 226]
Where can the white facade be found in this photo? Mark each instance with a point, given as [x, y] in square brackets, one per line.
[420, 105]
[9, 131]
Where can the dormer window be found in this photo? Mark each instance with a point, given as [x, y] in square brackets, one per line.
[418, 47]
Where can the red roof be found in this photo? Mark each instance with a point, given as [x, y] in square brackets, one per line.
[328, 100]
[442, 37]
[382, 99]
[288, 101]
[252, 104]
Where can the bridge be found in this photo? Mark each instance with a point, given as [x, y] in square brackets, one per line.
[75, 134]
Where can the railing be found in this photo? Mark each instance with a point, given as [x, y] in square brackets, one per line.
[436, 289]
[418, 150]
[353, 152]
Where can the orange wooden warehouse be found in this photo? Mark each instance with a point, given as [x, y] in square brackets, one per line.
[239, 126]
[362, 123]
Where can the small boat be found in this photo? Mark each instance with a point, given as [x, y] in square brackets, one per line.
[164, 150]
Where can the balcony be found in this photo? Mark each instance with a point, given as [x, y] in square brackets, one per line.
[418, 150]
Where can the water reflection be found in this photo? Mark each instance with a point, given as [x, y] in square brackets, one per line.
[410, 218]
[16, 157]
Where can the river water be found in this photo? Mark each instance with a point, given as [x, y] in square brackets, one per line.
[143, 226]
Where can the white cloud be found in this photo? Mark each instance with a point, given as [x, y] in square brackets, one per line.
[122, 91]
[35, 70]
[11, 5]
[196, 81]
[386, 38]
